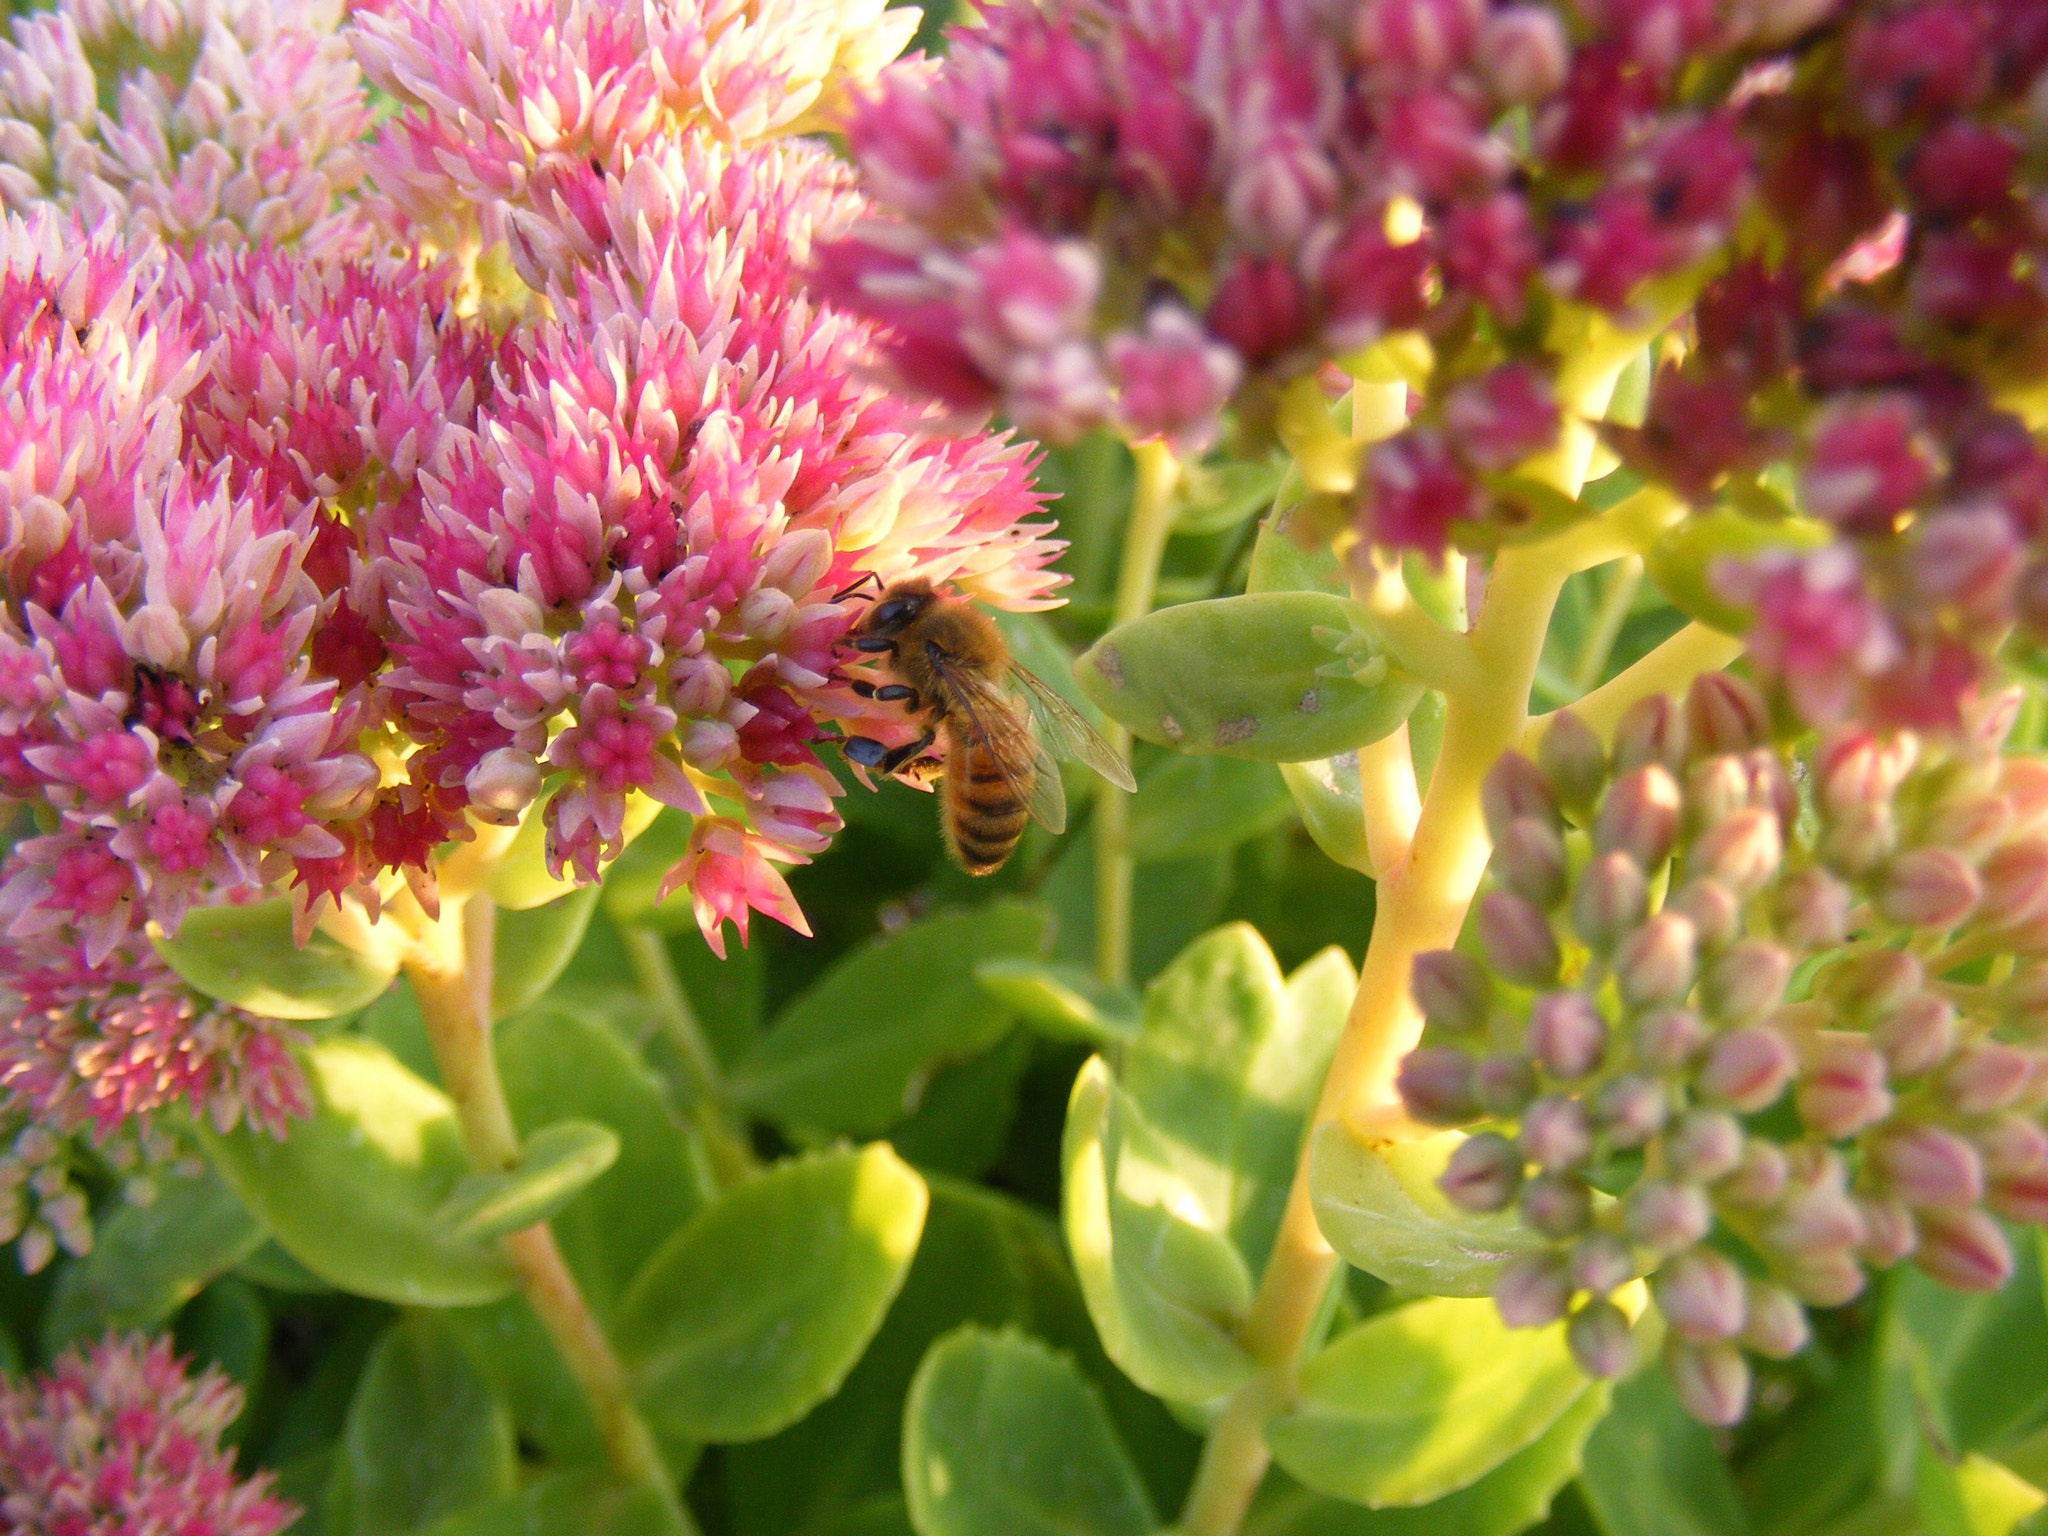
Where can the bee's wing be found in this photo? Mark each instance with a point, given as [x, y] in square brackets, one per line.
[1066, 734]
[993, 714]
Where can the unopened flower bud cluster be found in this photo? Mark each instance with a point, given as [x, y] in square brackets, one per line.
[1750, 1025]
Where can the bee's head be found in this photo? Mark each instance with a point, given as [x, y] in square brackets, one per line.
[898, 607]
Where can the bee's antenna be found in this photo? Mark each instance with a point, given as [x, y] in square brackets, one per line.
[846, 593]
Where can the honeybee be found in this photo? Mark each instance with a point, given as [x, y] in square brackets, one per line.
[949, 666]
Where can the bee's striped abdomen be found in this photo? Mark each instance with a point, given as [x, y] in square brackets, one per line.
[985, 807]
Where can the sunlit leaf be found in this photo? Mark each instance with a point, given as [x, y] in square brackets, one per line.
[245, 955]
[555, 1164]
[1424, 1400]
[1275, 677]
[1381, 1210]
[1165, 1290]
[1512, 1497]
[354, 1191]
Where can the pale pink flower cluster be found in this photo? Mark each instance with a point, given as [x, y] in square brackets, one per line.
[156, 704]
[514, 99]
[353, 491]
[220, 120]
[117, 1440]
[624, 583]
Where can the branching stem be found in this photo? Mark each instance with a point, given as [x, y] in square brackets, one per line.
[1670, 668]
[1421, 907]
[1151, 520]
[450, 972]
[1391, 800]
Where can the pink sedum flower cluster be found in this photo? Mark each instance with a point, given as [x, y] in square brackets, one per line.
[361, 487]
[192, 119]
[118, 1440]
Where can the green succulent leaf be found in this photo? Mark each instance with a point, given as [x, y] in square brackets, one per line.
[1331, 804]
[1217, 497]
[559, 1065]
[556, 1064]
[1225, 1069]
[245, 955]
[1972, 1369]
[1512, 1497]
[1002, 1434]
[1193, 805]
[1970, 1495]
[149, 1260]
[982, 1259]
[852, 1054]
[425, 1435]
[756, 1310]
[576, 1502]
[1421, 1401]
[1276, 677]
[1652, 1470]
[1292, 551]
[1060, 1001]
[556, 1164]
[354, 1191]
[1381, 1210]
[1165, 1292]
[535, 946]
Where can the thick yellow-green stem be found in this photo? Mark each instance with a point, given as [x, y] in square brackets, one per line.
[1151, 520]
[1421, 906]
[1670, 668]
[449, 967]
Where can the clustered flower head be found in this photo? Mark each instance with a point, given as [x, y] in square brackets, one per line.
[192, 119]
[1825, 217]
[118, 1440]
[362, 484]
[1751, 1050]
[628, 580]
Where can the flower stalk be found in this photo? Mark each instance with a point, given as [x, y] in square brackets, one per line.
[1422, 904]
[1151, 520]
[450, 971]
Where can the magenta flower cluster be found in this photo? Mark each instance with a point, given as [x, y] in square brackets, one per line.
[118, 1440]
[363, 484]
[1796, 1064]
[1825, 214]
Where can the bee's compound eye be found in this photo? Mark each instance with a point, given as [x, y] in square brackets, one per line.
[896, 611]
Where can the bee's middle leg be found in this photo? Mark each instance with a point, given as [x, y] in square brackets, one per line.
[905, 754]
[870, 753]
